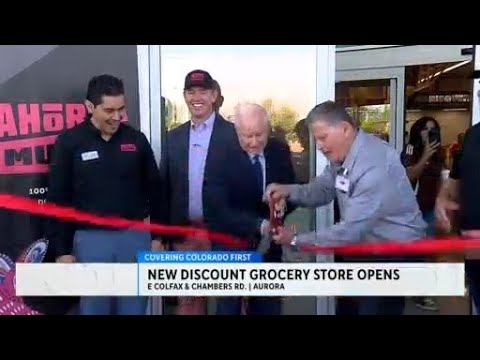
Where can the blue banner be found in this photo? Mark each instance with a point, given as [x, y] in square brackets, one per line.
[199, 257]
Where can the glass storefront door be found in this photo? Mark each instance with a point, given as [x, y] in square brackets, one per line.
[376, 98]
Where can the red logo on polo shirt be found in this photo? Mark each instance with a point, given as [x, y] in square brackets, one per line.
[128, 147]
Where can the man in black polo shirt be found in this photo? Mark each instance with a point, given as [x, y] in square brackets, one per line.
[462, 192]
[106, 167]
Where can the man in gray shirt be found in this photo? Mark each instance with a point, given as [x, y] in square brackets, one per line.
[375, 197]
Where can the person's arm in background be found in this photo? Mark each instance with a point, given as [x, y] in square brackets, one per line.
[415, 168]
[60, 233]
[448, 196]
[152, 185]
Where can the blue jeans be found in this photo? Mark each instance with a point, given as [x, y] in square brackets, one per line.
[429, 218]
[370, 305]
[380, 305]
[256, 306]
[373, 305]
[111, 246]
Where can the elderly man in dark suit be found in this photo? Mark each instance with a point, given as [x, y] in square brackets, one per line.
[235, 202]
[189, 159]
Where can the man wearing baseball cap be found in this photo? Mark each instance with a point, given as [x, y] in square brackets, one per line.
[190, 156]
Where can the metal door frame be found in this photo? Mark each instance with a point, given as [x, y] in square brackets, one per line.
[396, 75]
[475, 119]
[149, 87]
[324, 215]
[403, 55]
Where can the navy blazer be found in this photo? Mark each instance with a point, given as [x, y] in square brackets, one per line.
[174, 167]
[234, 205]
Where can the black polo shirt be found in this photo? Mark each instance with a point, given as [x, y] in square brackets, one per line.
[118, 177]
[466, 169]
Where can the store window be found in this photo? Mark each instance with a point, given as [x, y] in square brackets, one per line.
[368, 101]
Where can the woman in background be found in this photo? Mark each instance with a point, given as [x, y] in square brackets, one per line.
[424, 159]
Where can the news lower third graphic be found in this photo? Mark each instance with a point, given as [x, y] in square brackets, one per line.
[237, 273]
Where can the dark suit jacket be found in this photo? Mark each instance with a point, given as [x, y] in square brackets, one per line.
[233, 204]
[174, 167]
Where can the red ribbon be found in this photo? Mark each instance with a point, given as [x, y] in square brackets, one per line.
[423, 246]
[16, 203]
[448, 245]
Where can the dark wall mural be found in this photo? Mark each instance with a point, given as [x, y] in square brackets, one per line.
[42, 92]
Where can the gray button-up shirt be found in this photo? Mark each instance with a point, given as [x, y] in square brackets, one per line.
[378, 205]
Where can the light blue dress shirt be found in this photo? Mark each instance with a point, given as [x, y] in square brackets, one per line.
[200, 135]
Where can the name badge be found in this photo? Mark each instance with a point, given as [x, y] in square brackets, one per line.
[90, 155]
[342, 184]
